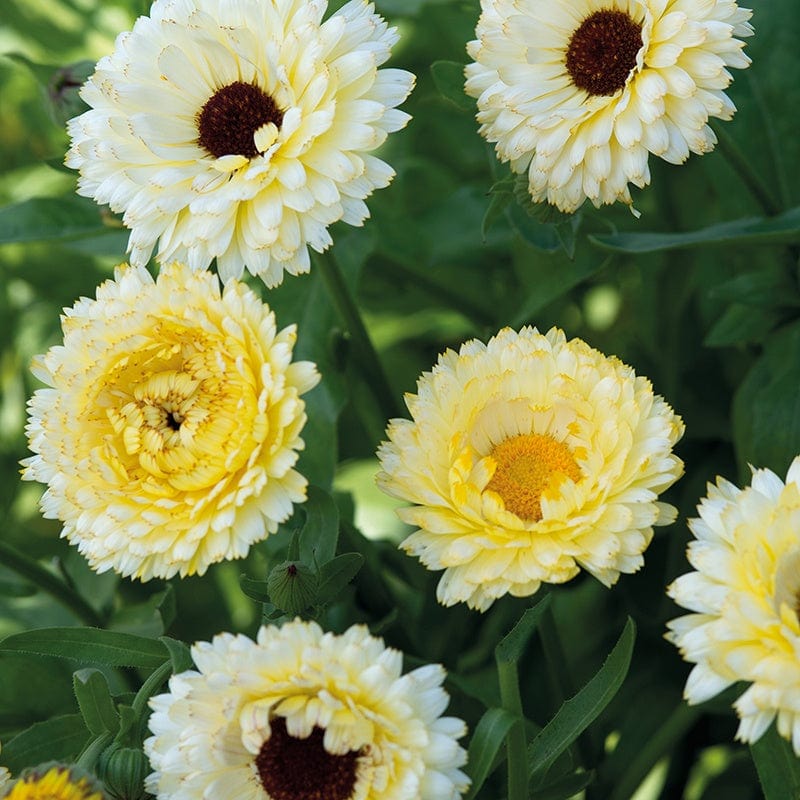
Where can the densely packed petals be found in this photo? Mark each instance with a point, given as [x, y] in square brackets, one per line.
[744, 599]
[299, 714]
[55, 782]
[578, 93]
[526, 459]
[240, 130]
[170, 425]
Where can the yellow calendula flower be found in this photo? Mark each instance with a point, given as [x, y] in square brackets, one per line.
[301, 714]
[744, 599]
[579, 93]
[56, 783]
[171, 423]
[526, 459]
[240, 131]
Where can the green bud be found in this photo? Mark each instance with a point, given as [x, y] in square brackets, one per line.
[123, 770]
[292, 586]
[63, 90]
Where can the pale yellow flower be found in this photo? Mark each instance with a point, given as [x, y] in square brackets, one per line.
[745, 600]
[578, 93]
[304, 714]
[240, 130]
[55, 783]
[171, 425]
[528, 458]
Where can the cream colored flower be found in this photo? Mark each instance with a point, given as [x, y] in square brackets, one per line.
[54, 783]
[240, 130]
[745, 599]
[172, 423]
[303, 714]
[528, 458]
[578, 93]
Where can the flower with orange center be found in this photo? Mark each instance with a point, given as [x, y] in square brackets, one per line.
[301, 714]
[526, 459]
[171, 423]
[54, 783]
[744, 601]
[577, 94]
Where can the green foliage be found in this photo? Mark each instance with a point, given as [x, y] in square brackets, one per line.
[577, 713]
[778, 767]
[91, 645]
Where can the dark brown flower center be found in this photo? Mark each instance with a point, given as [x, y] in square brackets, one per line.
[228, 120]
[602, 51]
[302, 769]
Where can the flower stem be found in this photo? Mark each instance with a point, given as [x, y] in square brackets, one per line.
[362, 344]
[745, 170]
[153, 683]
[45, 580]
[88, 758]
[516, 747]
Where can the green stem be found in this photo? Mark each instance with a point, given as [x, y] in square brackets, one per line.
[745, 170]
[88, 758]
[153, 683]
[561, 677]
[45, 580]
[516, 746]
[365, 351]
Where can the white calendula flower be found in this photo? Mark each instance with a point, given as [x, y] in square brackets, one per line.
[240, 130]
[301, 714]
[578, 93]
[526, 459]
[744, 596]
[170, 427]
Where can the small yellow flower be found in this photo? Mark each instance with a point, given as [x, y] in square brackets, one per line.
[302, 714]
[57, 783]
[744, 596]
[171, 425]
[526, 459]
[579, 93]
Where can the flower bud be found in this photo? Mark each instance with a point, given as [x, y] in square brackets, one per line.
[292, 586]
[123, 770]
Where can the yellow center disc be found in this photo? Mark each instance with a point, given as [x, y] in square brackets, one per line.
[526, 465]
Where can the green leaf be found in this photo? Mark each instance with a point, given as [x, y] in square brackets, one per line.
[565, 787]
[94, 699]
[50, 218]
[254, 589]
[336, 574]
[577, 713]
[783, 229]
[766, 406]
[320, 534]
[778, 767]
[486, 741]
[88, 644]
[768, 287]
[740, 324]
[150, 618]
[57, 739]
[449, 79]
[512, 645]
[179, 654]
